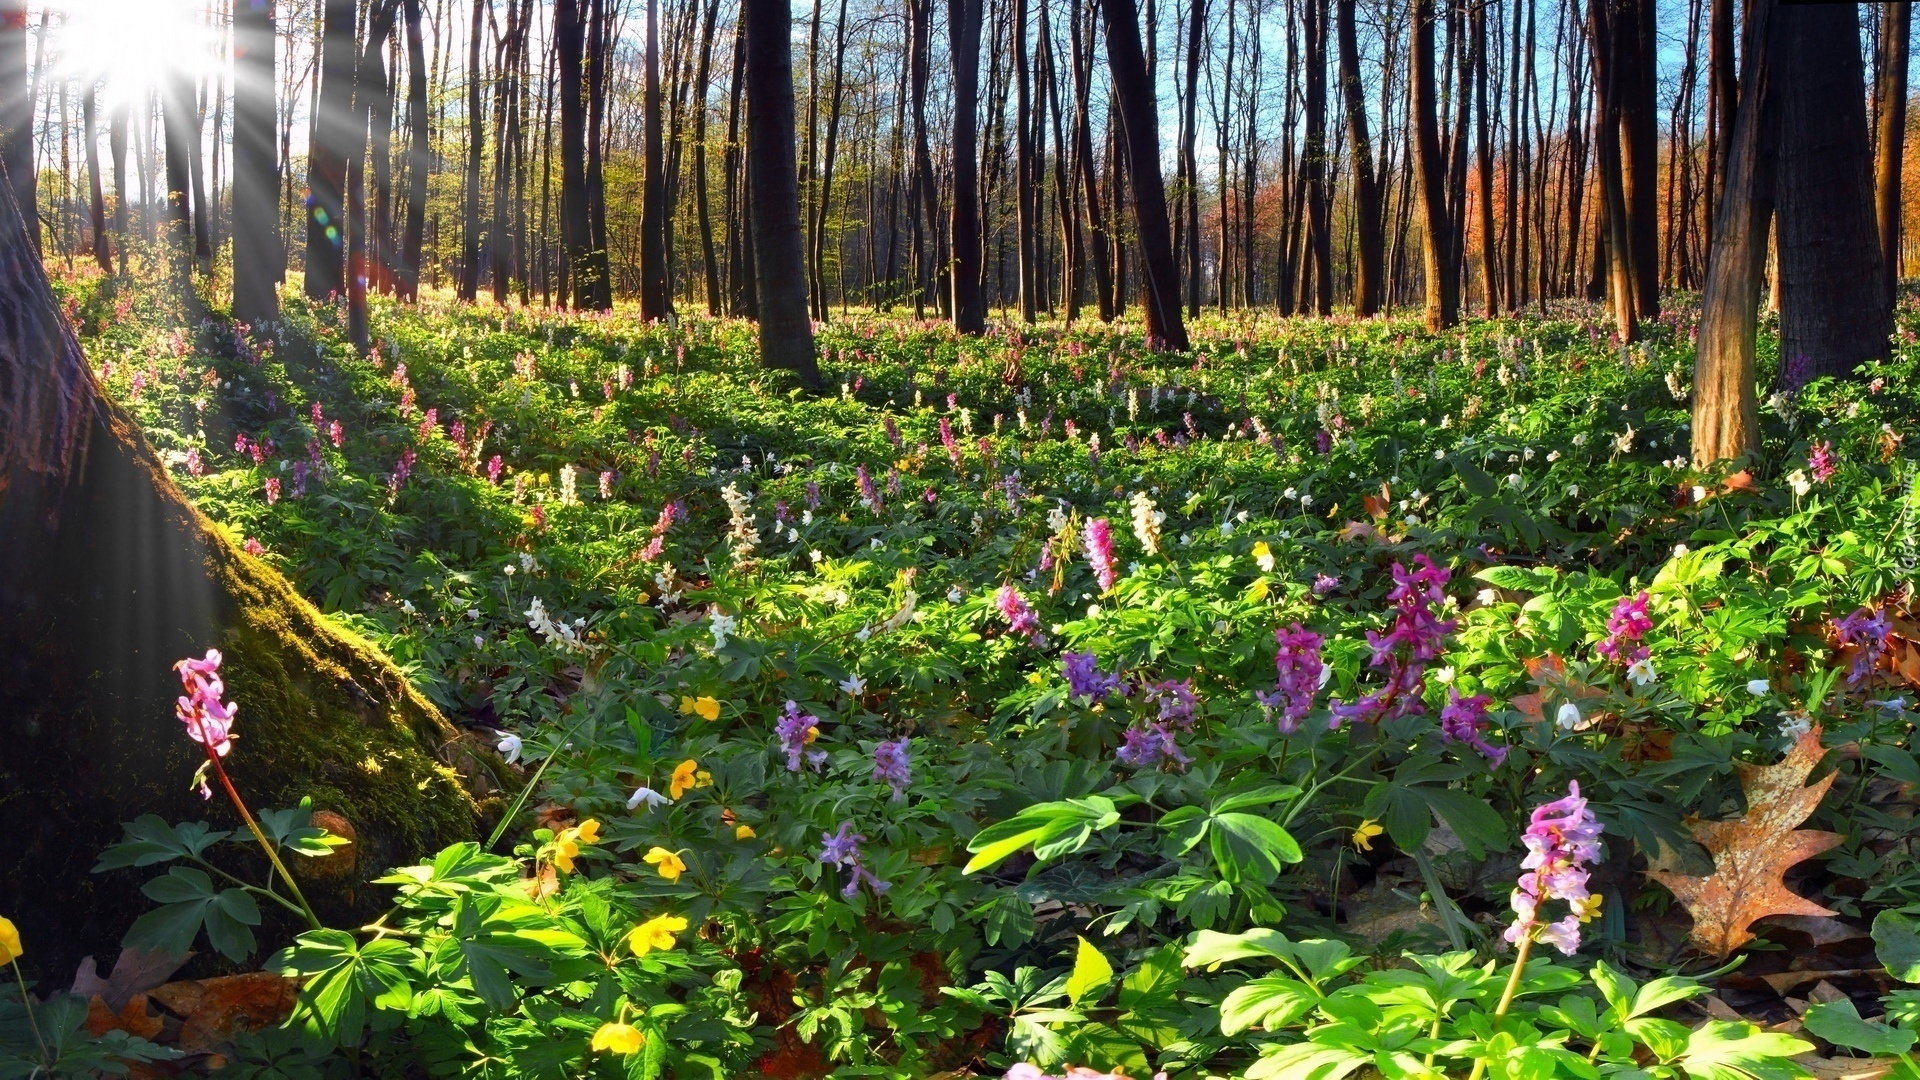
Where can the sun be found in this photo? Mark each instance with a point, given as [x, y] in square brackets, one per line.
[133, 46]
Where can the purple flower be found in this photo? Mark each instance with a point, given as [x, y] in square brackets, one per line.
[947, 440]
[1148, 746]
[1020, 617]
[1562, 839]
[1625, 627]
[209, 720]
[1324, 584]
[842, 850]
[1086, 680]
[1820, 461]
[869, 494]
[890, 764]
[1301, 673]
[1465, 720]
[797, 731]
[1414, 640]
[1868, 631]
[1177, 702]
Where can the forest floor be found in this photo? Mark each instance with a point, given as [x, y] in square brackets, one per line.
[807, 646]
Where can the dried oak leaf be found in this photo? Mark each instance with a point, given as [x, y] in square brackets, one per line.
[133, 1019]
[1751, 853]
[1550, 680]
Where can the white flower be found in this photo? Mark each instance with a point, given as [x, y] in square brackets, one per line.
[1641, 672]
[1442, 675]
[1799, 482]
[1325, 674]
[863, 633]
[1623, 442]
[557, 634]
[509, 569]
[1147, 520]
[1487, 597]
[721, 626]
[1758, 687]
[1514, 480]
[479, 642]
[955, 595]
[1795, 724]
[527, 564]
[1568, 717]
[407, 606]
[509, 745]
[647, 797]
[853, 685]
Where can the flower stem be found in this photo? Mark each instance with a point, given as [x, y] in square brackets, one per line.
[265, 844]
[1507, 995]
[26, 999]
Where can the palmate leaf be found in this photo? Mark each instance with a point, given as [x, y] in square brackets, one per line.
[150, 839]
[1839, 1022]
[1735, 1050]
[341, 978]
[1052, 829]
[189, 901]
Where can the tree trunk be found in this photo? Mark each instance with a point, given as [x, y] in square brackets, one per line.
[963, 27]
[1139, 117]
[1189, 187]
[256, 232]
[653, 210]
[714, 306]
[16, 114]
[1622, 286]
[1369, 248]
[786, 332]
[1082, 44]
[327, 159]
[1726, 411]
[1892, 141]
[1314, 159]
[96, 196]
[196, 115]
[176, 115]
[1639, 146]
[1721, 88]
[111, 575]
[469, 287]
[419, 157]
[1483, 158]
[1442, 278]
[1835, 309]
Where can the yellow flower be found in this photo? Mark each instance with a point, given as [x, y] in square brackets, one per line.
[1263, 557]
[1587, 909]
[566, 846]
[687, 776]
[744, 832]
[1363, 836]
[1258, 590]
[621, 1039]
[655, 933]
[707, 708]
[668, 863]
[10, 949]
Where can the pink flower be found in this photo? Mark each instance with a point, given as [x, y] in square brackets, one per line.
[208, 719]
[336, 433]
[1820, 461]
[252, 547]
[1020, 617]
[1625, 627]
[1465, 720]
[1297, 660]
[272, 490]
[1562, 839]
[1098, 537]
[1414, 640]
[493, 469]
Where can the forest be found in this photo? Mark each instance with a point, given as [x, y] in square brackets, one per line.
[1036, 539]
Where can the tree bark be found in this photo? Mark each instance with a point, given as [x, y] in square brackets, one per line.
[1622, 286]
[1726, 410]
[111, 575]
[96, 195]
[653, 211]
[963, 28]
[786, 332]
[327, 158]
[1639, 146]
[469, 287]
[16, 115]
[1835, 309]
[1139, 117]
[1318, 181]
[419, 158]
[1895, 30]
[117, 147]
[256, 232]
[1442, 278]
[176, 117]
[708, 261]
[1369, 250]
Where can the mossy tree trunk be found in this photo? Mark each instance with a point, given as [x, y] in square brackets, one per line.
[110, 575]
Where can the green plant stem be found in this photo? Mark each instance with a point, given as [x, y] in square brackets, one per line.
[266, 845]
[252, 888]
[26, 999]
[1302, 802]
[506, 819]
[1507, 995]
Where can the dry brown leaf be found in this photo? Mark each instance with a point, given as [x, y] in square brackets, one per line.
[1551, 680]
[1378, 506]
[1751, 853]
[133, 1019]
[218, 1009]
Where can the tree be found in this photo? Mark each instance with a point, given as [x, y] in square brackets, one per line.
[963, 28]
[1615, 234]
[1442, 274]
[653, 215]
[419, 157]
[96, 197]
[1836, 311]
[779, 244]
[16, 115]
[469, 287]
[1313, 163]
[327, 158]
[1891, 96]
[1726, 410]
[112, 574]
[256, 232]
[176, 116]
[1369, 245]
[1140, 120]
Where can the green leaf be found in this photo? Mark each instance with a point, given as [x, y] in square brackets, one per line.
[1248, 847]
[1053, 829]
[1839, 1023]
[149, 840]
[1090, 972]
[1735, 1050]
[1307, 1061]
[1271, 1002]
[1519, 578]
[1896, 942]
[340, 979]
[189, 901]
